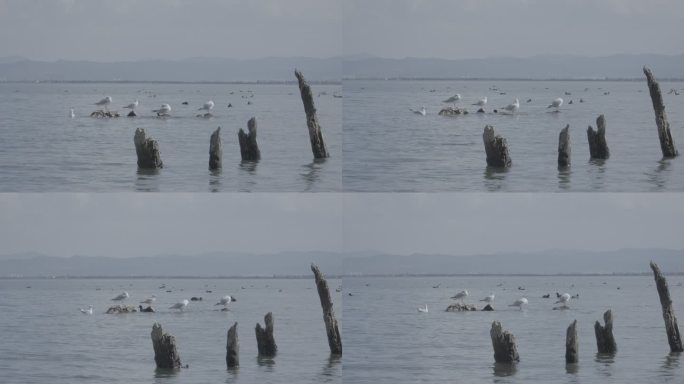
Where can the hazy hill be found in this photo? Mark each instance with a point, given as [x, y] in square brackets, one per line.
[537, 67]
[551, 262]
[297, 263]
[199, 69]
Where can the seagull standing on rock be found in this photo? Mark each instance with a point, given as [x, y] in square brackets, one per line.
[132, 105]
[556, 103]
[121, 297]
[104, 102]
[461, 295]
[180, 305]
[163, 111]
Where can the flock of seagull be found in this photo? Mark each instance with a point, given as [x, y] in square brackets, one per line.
[163, 111]
[563, 299]
[181, 305]
[511, 108]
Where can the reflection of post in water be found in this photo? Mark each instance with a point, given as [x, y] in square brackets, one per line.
[504, 369]
[564, 174]
[215, 180]
[330, 368]
[147, 180]
[312, 172]
[658, 177]
[494, 178]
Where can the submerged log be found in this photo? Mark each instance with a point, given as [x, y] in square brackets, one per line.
[605, 341]
[453, 111]
[503, 342]
[215, 150]
[496, 148]
[315, 135]
[458, 307]
[571, 344]
[673, 336]
[265, 341]
[564, 150]
[249, 149]
[666, 143]
[232, 347]
[598, 147]
[147, 150]
[165, 352]
[334, 338]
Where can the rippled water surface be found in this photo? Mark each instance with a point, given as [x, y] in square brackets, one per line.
[42, 149]
[47, 339]
[388, 341]
[388, 148]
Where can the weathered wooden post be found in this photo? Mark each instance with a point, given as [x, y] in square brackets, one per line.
[147, 150]
[334, 338]
[666, 143]
[671, 327]
[564, 150]
[215, 150]
[604, 334]
[571, 344]
[598, 147]
[496, 148]
[165, 352]
[249, 149]
[232, 347]
[265, 341]
[315, 135]
[503, 342]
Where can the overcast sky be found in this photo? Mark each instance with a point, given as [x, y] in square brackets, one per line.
[124, 225]
[121, 30]
[486, 223]
[459, 29]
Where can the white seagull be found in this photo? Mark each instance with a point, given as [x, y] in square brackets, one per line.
[564, 299]
[71, 113]
[422, 111]
[482, 102]
[104, 102]
[121, 297]
[132, 105]
[225, 300]
[87, 311]
[556, 103]
[163, 111]
[423, 309]
[489, 299]
[149, 300]
[181, 305]
[453, 99]
[519, 303]
[513, 107]
[208, 106]
[461, 295]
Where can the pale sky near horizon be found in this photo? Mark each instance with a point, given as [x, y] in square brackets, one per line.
[129, 30]
[138, 224]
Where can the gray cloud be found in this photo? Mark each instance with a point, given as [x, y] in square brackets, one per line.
[121, 30]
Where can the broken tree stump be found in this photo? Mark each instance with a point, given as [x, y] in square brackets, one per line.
[564, 150]
[496, 148]
[215, 150]
[232, 347]
[503, 342]
[334, 338]
[249, 149]
[598, 147]
[315, 135]
[265, 341]
[666, 143]
[605, 342]
[571, 344]
[165, 352]
[147, 150]
[673, 336]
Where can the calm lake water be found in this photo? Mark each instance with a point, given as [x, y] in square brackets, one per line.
[388, 148]
[47, 339]
[42, 149]
[388, 341]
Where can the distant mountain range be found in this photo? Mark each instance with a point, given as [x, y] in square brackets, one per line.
[536, 67]
[544, 263]
[629, 261]
[189, 70]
